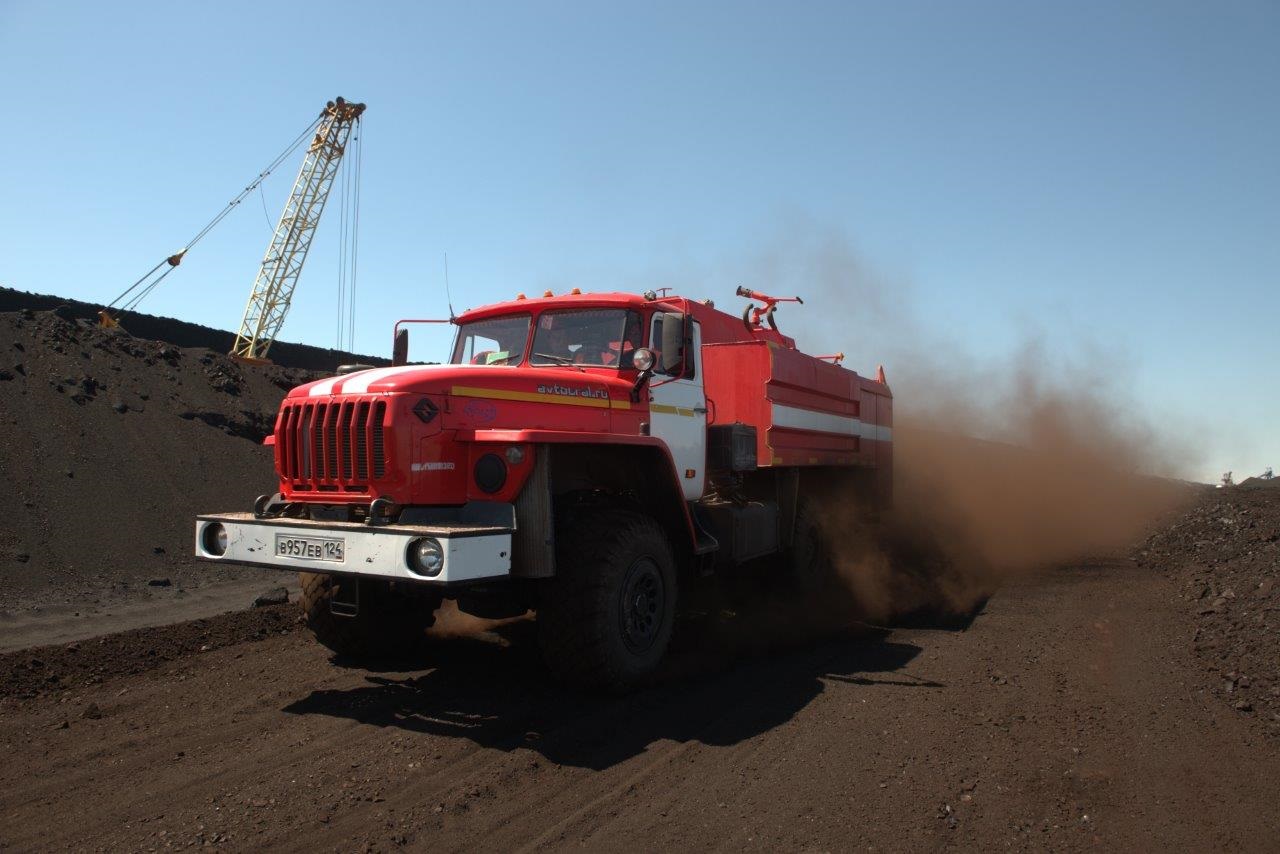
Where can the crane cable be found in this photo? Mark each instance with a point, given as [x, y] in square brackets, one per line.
[349, 242]
[344, 184]
[355, 242]
[175, 259]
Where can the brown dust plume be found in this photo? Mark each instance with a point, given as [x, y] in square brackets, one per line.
[1002, 466]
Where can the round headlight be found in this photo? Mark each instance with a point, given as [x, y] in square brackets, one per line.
[426, 557]
[215, 539]
[515, 455]
[490, 473]
[642, 359]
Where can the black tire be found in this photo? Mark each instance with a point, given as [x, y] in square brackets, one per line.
[605, 620]
[811, 570]
[387, 625]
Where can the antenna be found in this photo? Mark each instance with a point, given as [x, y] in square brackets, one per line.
[447, 295]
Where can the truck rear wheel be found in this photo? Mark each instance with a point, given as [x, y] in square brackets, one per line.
[809, 563]
[605, 620]
[386, 624]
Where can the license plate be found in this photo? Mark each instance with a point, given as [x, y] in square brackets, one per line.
[310, 548]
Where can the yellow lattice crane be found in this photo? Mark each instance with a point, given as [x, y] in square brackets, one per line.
[329, 134]
[282, 265]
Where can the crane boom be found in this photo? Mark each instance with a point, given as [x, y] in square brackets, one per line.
[282, 265]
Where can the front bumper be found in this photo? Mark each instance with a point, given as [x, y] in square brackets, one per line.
[471, 553]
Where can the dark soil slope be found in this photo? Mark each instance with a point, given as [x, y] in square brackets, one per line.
[181, 333]
[110, 444]
[1224, 554]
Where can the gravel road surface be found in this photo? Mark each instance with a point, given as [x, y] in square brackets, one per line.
[1071, 713]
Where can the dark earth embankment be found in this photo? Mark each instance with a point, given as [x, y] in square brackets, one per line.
[110, 444]
[1224, 556]
[181, 333]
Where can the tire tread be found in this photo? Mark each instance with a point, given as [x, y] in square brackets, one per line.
[574, 614]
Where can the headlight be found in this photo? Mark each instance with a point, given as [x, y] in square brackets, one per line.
[215, 539]
[642, 359]
[426, 557]
[515, 455]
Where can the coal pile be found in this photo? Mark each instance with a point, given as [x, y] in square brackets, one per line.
[110, 444]
[1225, 556]
[180, 332]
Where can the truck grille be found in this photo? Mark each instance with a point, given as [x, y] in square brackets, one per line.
[332, 447]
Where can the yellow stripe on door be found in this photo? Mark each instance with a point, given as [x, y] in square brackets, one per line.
[665, 409]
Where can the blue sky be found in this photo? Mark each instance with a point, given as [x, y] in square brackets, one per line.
[1101, 179]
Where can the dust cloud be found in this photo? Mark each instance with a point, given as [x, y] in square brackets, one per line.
[1002, 466]
[1068, 480]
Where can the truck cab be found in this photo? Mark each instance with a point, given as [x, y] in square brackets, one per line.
[578, 456]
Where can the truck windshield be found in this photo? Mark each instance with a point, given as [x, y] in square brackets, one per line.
[496, 341]
[592, 336]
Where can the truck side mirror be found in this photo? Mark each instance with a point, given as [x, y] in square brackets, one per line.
[674, 340]
[686, 349]
[400, 348]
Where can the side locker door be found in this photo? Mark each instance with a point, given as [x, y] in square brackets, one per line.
[678, 410]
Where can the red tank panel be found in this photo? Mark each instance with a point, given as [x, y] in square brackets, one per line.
[806, 411]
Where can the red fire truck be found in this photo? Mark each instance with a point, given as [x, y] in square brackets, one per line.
[580, 456]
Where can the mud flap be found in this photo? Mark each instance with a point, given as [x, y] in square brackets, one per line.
[705, 544]
[345, 601]
[533, 546]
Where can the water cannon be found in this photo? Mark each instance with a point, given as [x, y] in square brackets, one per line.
[752, 315]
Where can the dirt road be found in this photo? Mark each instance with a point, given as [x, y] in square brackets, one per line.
[1069, 714]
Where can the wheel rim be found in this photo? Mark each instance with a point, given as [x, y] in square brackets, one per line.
[810, 564]
[643, 600]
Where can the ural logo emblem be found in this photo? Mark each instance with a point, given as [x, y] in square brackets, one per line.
[425, 410]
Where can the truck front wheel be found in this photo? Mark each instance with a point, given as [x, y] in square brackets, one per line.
[605, 620]
[387, 623]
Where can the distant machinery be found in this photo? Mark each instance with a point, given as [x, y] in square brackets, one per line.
[273, 287]
[282, 265]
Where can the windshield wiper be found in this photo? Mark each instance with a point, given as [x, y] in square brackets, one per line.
[563, 360]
